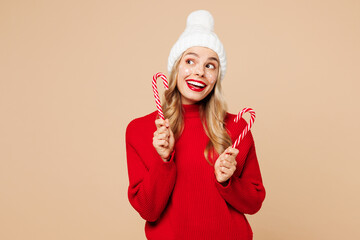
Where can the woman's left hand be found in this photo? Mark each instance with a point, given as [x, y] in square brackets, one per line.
[225, 165]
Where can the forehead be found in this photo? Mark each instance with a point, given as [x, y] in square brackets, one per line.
[202, 52]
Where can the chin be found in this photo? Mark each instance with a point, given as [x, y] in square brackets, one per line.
[192, 96]
[194, 99]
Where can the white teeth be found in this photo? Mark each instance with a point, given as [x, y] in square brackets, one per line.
[196, 84]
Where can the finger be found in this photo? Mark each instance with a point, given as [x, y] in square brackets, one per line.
[218, 169]
[162, 143]
[167, 122]
[220, 159]
[228, 171]
[165, 144]
[159, 122]
[218, 164]
[219, 175]
[227, 164]
[224, 170]
[223, 163]
[230, 158]
[230, 165]
[232, 151]
[162, 129]
[163, 136]
[227, 149]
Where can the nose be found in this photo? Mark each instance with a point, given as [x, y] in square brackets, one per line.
[199, 70]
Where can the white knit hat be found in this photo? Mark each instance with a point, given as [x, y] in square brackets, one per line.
[199, 32]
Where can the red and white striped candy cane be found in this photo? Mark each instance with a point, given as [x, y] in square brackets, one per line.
[246, 130]
[156, 93]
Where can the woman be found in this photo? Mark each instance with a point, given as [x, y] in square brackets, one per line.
[186, 180]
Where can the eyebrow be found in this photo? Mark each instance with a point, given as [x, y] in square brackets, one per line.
[196, 55]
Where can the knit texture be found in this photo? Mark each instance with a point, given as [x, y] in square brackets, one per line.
[199, 32]
[181, 199]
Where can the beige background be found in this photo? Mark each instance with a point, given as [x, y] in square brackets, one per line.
[74, 73]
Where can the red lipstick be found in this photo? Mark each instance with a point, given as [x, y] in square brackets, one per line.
[195, 85]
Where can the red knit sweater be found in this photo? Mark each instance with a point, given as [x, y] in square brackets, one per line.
[181, 199]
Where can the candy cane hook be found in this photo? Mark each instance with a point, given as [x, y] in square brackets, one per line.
[156, 93]
[246, 130]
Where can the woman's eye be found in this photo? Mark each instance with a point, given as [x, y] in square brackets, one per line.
[210, 66]
[189, 61]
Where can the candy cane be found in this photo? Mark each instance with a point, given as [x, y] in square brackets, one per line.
[156, 93]
[246, 130]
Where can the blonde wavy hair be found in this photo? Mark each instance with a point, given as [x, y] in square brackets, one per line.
[212, 112]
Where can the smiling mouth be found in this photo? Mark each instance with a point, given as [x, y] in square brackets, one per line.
[196, 85]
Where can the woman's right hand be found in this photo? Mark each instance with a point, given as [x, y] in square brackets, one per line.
[163, 139]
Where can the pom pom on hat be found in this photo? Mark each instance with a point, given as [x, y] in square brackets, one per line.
[202, 18]
[199, 32]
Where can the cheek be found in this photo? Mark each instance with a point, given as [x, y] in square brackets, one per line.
[211, 78]
[184, 71]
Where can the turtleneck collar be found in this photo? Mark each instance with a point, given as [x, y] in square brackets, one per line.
[191, 110]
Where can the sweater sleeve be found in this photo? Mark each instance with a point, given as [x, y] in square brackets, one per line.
[245, 191]
[151, 180]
